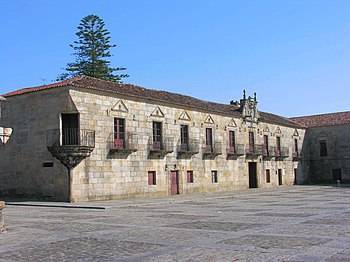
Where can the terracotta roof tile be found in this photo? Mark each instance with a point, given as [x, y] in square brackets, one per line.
[163, 96]
[331, 119]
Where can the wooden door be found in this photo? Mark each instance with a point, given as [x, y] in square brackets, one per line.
[253, 179]
[280, 182]
[174, 179]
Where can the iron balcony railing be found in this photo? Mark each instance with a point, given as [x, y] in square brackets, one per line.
[191, 146]
[255, 150]
[296, 154]
[70, 137]
[164, 144]
[237, 150]
[268, 151]
[281, 152]
[128, 143]
[215, 149]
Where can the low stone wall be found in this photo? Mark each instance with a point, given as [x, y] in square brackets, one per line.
[2, 225]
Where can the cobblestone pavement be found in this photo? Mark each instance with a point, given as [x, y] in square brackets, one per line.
[300, 223]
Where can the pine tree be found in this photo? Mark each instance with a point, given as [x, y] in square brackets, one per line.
[91, 49]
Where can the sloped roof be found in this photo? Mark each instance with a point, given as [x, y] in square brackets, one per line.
[331, 119]
[163, 96]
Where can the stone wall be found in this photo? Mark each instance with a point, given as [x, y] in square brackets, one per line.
[2, 223]
[320, 168]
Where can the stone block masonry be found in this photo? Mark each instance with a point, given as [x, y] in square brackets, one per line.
[2, 223]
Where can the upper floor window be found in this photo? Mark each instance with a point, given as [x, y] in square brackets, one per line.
[231, 139]
[296, 147]
[266, 145]
[157, 135]
[209, 138]
[323, 148]
[119, 132]
[184, 136]
[251, 141]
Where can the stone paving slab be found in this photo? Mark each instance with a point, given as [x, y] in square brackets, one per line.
[300, 223]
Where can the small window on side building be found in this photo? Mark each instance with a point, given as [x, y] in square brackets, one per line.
[323, 148]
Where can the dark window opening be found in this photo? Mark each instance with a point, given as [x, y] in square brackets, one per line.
[266, 145]
[278, 146]
[190, 176]
[214, 176]
[323, 148]
[152, 178]
[48, 164]
[296, 148]
[268, 178]
[70, 129]
[251, 142]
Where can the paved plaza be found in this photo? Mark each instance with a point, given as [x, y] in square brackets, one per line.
[300, 223]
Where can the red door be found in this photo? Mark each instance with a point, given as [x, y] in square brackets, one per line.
[174, 183]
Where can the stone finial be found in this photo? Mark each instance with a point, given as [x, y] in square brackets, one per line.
[2, 224]
[255, 96]
[244, 94]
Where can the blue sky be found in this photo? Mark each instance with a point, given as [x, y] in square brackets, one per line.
[294, 53]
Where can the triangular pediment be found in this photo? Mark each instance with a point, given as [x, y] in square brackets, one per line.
[209, 120]
[232, 123]
[278, 130]
[5, 134]
[185, 116]
[69, 106]
[120, 107]
[266, 129]
[157, 112]
[296, 133]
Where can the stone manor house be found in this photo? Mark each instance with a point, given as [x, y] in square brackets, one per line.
[89, 139]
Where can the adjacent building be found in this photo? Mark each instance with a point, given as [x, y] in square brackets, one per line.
[326, 149]
[88, 139]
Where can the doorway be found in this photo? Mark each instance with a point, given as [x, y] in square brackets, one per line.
[253, 181]
[174, 182]
[280, 182]
[70, 129]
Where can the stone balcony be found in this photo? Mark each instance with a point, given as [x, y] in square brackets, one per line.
[281, 153]
[235, 151]
[212, 151]
[123, 146]
[70, 146]
[186, 150]
[254, 151]
[159, 149]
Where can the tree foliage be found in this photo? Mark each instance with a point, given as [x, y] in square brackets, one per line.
[91, 50]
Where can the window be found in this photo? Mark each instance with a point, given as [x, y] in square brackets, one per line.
[337, 174]
[231, 141]
[119, 133]
[323, 148]
[209, 139]
[152, 178]
[184, 137]
[296, 149]
[189, 176]
[266, 145]
[157, 135]
[268, 178]
[278, 146]
[214, 176]
[251, 142]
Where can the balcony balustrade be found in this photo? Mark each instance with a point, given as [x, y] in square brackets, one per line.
[254, 151]
[127, 145]
[268, 152]
[211, 151]
[186, 150]
[235, 151]
[296, 155]
[162, 147]
[281, 153]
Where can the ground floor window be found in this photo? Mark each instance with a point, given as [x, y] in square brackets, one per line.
[152, 178]
[189, 176]
[268, 178]
[214, 176]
